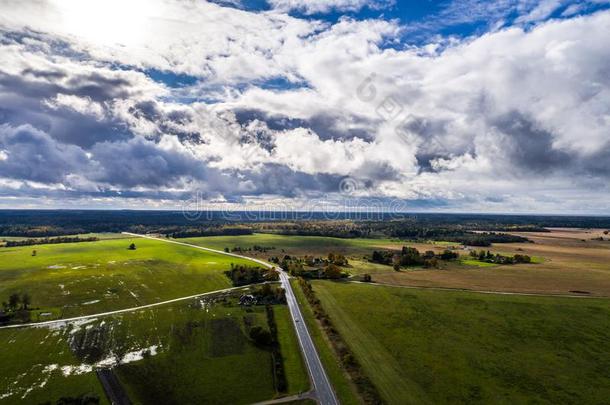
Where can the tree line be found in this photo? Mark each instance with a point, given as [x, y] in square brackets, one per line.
[242, 275]
[488, 257]
[17, 307]
[45, 241]
[409, 256]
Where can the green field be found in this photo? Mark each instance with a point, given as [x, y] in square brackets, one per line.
[31, 361]
[195, 351]
[359, 267]
[294, 245]
[74, 279]
[476, 263]
[429, 347]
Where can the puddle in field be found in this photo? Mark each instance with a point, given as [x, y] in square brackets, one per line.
[79, 267]
[57, 266]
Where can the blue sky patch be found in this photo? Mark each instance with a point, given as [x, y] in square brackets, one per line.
[171, 79]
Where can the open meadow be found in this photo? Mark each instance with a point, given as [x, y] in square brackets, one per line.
[563, 261]
[566, 261]
[294, 245]
[429, 347]
[73, 279]
[196, 351]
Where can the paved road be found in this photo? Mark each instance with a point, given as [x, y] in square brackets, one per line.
[322, 388]
[112, 387]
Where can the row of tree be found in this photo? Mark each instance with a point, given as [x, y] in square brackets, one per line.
[17, 302]
[242, 275]
[488, 257]
[45, 241]
[410, 256]
[255, 248]
[16, 309]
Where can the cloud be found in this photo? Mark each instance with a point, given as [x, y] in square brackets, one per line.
[30, 154]
[326, 6]
[283, 108]
[541, 12]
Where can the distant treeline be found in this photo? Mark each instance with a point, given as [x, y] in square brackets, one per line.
[394, 229]
[214, 231]
[410, 256]
[44, 241]
[452, 227]
[483, 239]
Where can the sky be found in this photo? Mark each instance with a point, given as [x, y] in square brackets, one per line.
[445, 106]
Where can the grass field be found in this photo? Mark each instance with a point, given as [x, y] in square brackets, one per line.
[90, 277]
[564, 261]
[295, 245]
[100, 236]
[191, 352]
[205, 357]
[31, 373]
[465, 348]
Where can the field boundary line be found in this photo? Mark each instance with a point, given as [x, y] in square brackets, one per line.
[124, 310]
[412, 287]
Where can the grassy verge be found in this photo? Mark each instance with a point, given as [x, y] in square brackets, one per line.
[294, 366]
[344, 388]
[428, 347]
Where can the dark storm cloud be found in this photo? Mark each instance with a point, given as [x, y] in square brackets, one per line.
[435, 144]
[597, 163]
[529, 147]
[326, 126]
[27, 98]
[30, 154]
[281, 180]
[141, 162]
[171, 122]
[42, 84]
